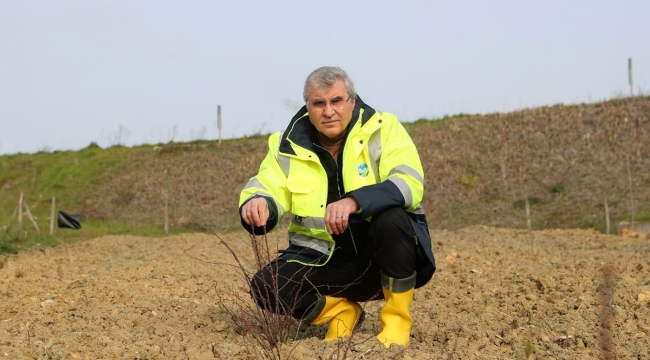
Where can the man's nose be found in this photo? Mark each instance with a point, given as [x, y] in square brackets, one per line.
[329, 109]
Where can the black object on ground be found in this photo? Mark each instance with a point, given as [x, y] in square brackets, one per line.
[69, 221]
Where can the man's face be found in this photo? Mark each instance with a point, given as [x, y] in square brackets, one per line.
[330, 110]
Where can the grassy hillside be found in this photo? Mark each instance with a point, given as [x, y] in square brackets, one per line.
[566, 160]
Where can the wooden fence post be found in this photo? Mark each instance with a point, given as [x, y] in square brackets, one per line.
[528, 215]
[629, 182]
[20, 212]
[52, 216]
[607, 228]
[31, 218]
[166, 213]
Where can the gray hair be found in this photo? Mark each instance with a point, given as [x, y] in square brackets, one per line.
[325, 77]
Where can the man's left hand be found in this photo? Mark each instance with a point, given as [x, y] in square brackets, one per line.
[338, 213]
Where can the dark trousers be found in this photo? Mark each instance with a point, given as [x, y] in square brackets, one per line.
[291, 288]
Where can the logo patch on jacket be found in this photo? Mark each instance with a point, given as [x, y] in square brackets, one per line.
[363, 171]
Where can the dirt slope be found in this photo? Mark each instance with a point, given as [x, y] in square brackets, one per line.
[570, 294]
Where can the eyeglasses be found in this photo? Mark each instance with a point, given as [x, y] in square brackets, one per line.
[335, 103]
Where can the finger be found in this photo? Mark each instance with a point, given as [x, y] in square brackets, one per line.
[328, 220]
[255, 216]
[344, 224]
[335, 222]
[245, 214]
[264, 215]
[330, 224]
[340, 227]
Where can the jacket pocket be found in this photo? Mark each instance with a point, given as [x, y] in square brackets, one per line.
[302, 194]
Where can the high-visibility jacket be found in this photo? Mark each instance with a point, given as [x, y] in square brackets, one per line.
[381, 169]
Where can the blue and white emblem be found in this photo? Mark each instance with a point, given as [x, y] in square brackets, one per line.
[363, 171]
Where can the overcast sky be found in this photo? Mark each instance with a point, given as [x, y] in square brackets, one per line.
[134, 72]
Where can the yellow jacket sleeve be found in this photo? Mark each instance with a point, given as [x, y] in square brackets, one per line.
[400, 162]
[270, 181]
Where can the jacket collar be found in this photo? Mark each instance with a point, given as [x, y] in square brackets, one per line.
[300, 128]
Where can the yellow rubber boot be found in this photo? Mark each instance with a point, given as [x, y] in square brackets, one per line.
[395, 318]
[341, 314]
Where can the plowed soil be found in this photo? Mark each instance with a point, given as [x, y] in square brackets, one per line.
[497, 294]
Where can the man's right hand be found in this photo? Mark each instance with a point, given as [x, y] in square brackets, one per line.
[255, 212]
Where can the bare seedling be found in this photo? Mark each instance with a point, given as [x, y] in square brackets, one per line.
[270, 326]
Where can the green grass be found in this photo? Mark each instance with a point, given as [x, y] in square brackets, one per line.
[434, 121]
[13, 241]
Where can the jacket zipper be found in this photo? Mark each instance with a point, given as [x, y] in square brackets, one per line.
[338, 188]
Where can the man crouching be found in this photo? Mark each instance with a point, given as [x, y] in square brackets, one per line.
[353, 181]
